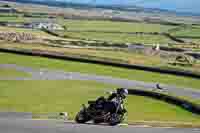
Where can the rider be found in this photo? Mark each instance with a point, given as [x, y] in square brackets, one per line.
[114, 99]
[117, 98]
[120, 93]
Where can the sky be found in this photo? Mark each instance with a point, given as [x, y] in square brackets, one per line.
[192, 6]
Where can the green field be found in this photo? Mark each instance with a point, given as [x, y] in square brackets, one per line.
[12, 19]
[189, 32]
[131, 57]
[85, 25]
[102, 26]
[195, 40]
[11, 73]
[71, 66]
[122, 56]
[68, 96]
[120, 38]
[182, 31]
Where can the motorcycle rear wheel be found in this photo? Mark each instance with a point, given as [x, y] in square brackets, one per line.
[82, 117]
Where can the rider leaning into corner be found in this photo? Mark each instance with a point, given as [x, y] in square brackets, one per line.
[113, 100]
[109, 110]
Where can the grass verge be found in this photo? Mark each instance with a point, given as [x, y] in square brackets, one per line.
[11, 73]
[12, 19]
[120, 38]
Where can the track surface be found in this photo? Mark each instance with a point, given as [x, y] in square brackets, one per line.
[31, 126]
[17, 123]
[44, 74]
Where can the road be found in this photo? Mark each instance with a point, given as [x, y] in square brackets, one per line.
[45, 74]
[52, 126]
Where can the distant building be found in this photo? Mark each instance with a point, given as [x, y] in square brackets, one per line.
[45, 25]
[34, 25]
[18, 25]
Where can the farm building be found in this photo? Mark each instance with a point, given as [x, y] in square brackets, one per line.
[46, 25]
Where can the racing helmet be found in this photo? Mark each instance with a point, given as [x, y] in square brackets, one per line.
[122, 92]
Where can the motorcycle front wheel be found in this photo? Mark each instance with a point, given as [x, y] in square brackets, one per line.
[115, 119]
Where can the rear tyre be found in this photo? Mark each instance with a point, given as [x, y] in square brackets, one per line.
[82, 117]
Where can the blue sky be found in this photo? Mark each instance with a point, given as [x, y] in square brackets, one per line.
[192, 6]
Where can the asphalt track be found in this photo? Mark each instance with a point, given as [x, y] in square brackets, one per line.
[45, 74]
[17, 123]
[36, 126]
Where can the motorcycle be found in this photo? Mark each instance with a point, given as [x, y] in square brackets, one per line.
[102, 111]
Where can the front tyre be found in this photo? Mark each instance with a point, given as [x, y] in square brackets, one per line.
[97, 121]
[115, 119]
[82, 117]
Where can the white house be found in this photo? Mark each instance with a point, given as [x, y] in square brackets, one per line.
[49, 26]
